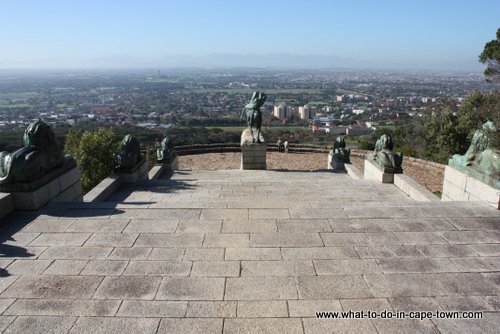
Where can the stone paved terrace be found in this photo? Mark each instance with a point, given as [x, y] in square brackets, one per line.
[249, 252]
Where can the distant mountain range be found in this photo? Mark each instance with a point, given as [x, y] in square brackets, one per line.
[272, 60]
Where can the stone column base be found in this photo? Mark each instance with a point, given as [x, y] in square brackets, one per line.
[373, 172]
[458, 186]
[66, 187]
[335, 166]
[139, 172]
[172, 165]
[253, 156]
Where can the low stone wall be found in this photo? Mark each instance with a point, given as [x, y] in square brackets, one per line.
[235, 147]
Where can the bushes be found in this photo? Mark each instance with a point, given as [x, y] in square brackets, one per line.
[93, 152]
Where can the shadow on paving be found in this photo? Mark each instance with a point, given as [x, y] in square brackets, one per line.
[11, 225]
[15, 222]
[159, 186]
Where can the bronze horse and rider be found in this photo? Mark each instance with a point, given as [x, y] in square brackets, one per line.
[254, 115]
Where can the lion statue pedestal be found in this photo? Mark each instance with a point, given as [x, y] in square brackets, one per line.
[131, 165]
[167, 160]
[475, 176]
[39, 172]
[339, 155]
[383, 163]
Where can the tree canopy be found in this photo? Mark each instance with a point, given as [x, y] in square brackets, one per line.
[491, 57]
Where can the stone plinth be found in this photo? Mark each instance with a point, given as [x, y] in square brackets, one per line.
[253, 156]
[6, 204]
[333, 165]
[66, 187]
[139, 172]
[172, 164]
[162, 167]
[374, 172]
[458, 186]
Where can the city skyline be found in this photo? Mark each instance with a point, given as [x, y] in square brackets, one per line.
[448, 35]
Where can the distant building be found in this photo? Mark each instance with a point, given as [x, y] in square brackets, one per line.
[358, 131]
[102, 109]
[280, 111]
[306, 112]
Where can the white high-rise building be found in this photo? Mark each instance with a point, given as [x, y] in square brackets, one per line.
[306, 112]
[280, 111]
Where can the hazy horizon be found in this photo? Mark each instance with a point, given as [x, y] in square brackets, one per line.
[424, 35]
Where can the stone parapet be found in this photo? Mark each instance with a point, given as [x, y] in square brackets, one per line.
[353, 172]
[158, 170]
[413, 189]
[104, 189]
[458, 186]
[373, 172]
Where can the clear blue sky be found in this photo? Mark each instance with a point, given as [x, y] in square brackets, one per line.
[412, 33]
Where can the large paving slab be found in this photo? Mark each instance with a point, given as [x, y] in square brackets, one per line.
[250, 252]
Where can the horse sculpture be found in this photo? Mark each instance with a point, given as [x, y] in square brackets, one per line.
[254, 115]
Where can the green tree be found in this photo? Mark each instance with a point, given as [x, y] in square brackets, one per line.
[93, 152]
[444, 136]
[476, 110]
[491, 57]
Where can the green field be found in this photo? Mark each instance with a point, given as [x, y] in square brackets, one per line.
[15, 105]
[20, 95]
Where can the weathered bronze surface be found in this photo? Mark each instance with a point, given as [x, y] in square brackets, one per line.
[130, 154]
[40, 155]
[384, 157]
[254, 115]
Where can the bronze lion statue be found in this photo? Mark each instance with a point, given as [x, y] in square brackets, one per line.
[130, 154]
[480, 155]
[385, 157]
[40, 155]
[340, 152]
[167, 151]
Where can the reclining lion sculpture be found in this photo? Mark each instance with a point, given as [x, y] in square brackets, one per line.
[385, 157]
[40, 155]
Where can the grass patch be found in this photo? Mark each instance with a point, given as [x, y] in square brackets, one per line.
[15, 105]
